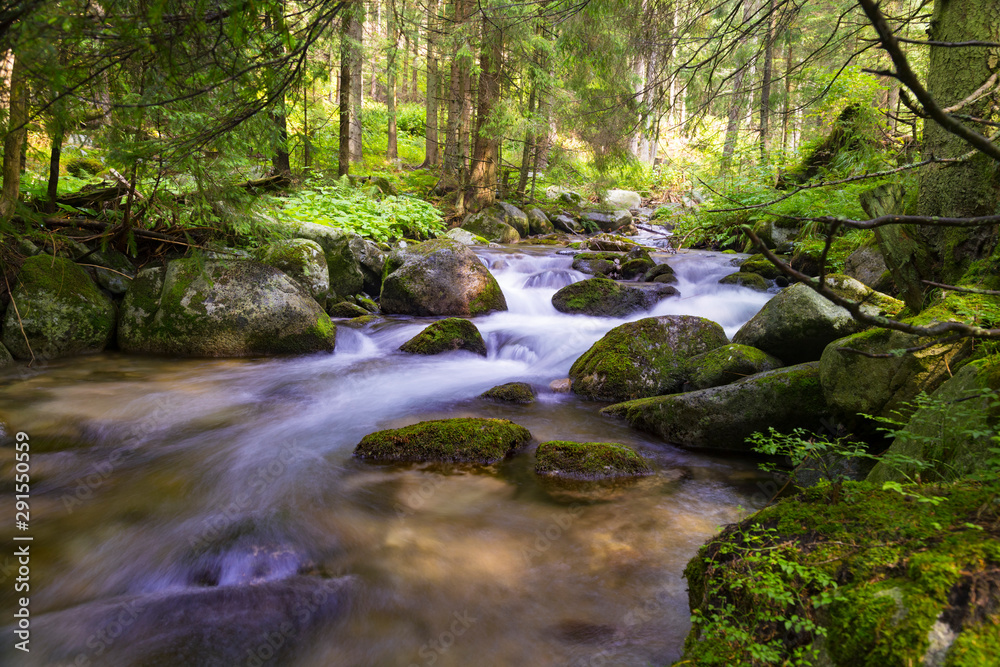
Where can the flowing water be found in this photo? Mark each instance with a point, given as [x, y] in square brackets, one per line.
[156, 477]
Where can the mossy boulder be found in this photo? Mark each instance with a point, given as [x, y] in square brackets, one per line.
[886, 580]
[112, 270]
[538, 222]
[511, 392]
[867, 265]
[598, 263]
[727, 364]
[515, 217]
[606, 298]
[489, 224]
[464, 440]
[798, 323]
[622, 199]
[235, 308]
[346, 275]
[303, 261]
[439, 277]
[371, 260]
[346, 309]
[447, 335]
[660, 273]
[6, 359]
[885, 386]
[721, 418]
[567, 224]
[609, 221]
[59, 311]
[951, 432]
[610, 243]
[762, 266]
[643, 358]
[636, 267]
[744, 279]
[589, 460]
[465, 237]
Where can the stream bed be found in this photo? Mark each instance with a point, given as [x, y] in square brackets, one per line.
[177, 501]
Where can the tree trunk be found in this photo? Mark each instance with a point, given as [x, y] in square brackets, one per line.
[966, 189]
[530, 145]
[344, 151]
[786, 115]
[17, 132]
[486, 154]
[55, 152]
[431, 104]
[392, 53]
[765, 86]
[735, 114]
[356, 57]
[456, 155]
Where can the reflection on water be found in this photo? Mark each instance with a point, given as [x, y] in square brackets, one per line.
[154, 478]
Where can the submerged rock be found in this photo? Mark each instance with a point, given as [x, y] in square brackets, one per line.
[606, 298]
[439, 277]
[643, 358]
[303, 261]
[264, 623]
[728, 364]
[511, 392]
[471, 440]
[59, 311]
[235, 308]
[589, 460]
[798, 323]
[447, 335]
[721, 418]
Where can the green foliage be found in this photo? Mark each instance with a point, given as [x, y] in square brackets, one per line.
[84, 167]
[337, 204]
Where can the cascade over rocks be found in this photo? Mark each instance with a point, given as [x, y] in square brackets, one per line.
[797, 324]
[644, 358]
[447, 335]
[232, 308]
[60, 309]
[721, 418]
[606, 298]
[439, 277]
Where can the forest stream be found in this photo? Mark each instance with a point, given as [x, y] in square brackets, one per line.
[155, 477]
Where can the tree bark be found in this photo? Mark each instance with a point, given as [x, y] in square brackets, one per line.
[765, 86]
[344, 150]
[391, 152]
[735, 113]
[356, 58]
[432, 102]
[17, 132]
[486, 154]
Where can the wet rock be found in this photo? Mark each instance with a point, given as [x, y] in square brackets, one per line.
[662, 273]
[606, 298]
[727, 364]
[60, 311]
[264, 623]
[644, 358]
[622, 199]
[511, 392]
[439, 277]
[721, 418]
[236, 308]
[561, 386]
[599, 263]
[471, 440]
[798, 323]
[567, 224]
[589, 460]
[465, 237]
[745, 279]
[489, 224]
[538, 222]
[447, 335]
[346, 309]
[303, 261]
[610, 243]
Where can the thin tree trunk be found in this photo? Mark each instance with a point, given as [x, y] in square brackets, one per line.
[431, 104]
[765, 87]
[356, 53]
[735, 106]
[17, 132]
[529, 144]
[391, 152]
[344, 151]
[55, 153]
[786, 114]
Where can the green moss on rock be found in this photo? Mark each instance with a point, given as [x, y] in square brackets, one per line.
[346, 309]
[761, 266]
[511, 392]
[745, 279]
[727, 364]
[489, 224]
[589, 460]
[605, 298]
[660, 273]
[303, 261]
[447, 335]
[598, 263]
[643, 358]
[473, 440]
[60, 310]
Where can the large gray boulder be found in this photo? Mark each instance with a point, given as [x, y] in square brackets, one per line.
[234, 308]
[721, 418]
[867, 265]
[606, 298]
[643, 358]
[371, 261]
[439, 277]
[609, 221]
[489, 224]
[303, 261]
[538, 222]
[347, 277]
[622, 199]
[567, 224]
[56, 311]
[514, 217]
[798, 324]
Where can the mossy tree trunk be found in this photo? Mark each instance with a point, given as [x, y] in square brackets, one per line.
[968, 189]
